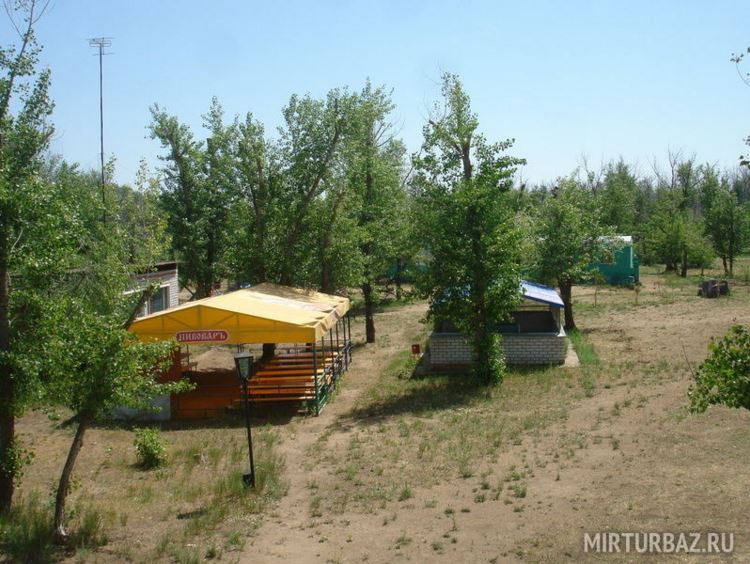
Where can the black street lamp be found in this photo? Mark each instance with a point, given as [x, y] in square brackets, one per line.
[243, 362]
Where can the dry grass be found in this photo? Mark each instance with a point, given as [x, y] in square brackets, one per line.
[195, 505]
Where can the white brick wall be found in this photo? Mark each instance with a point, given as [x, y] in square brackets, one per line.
[453, 349]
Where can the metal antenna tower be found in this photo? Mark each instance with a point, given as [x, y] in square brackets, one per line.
[101, 43]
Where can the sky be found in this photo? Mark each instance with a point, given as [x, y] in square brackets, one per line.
[566, 80]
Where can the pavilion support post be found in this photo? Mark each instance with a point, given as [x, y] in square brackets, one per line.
[338, 345]
[349, 326]
[315, 372]
[334, 356]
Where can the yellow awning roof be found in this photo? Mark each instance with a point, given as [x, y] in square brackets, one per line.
[266, 313]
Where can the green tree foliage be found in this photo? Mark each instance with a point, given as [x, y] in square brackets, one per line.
[375, 169]
[462, 184]
[667, 233]
[252, 242]
[567, 238]
[674, 234]
[281, 198]
[196, 196]
[724, 377]
[142, 219]
[34, 242]
[728, 227]
[310, 147]
[94, 363]
[618, 197]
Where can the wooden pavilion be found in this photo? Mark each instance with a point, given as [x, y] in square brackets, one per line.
[311, 332]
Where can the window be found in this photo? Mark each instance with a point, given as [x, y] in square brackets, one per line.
[159, 300]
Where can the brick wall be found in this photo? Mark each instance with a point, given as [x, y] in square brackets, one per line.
[453, 349]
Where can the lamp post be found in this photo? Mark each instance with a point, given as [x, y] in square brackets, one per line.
[243, 362]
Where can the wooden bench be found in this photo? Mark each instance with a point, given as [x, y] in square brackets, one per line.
[282, 373]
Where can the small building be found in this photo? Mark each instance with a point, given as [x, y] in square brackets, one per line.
[533, 336]
[621, 266]
[165, 277]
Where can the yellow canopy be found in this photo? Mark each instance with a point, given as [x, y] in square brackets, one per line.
[265, 313]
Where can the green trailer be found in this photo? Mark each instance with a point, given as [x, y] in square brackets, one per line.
[623, 267]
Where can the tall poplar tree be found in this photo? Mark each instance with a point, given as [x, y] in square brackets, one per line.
[34, 243]
[462, 184]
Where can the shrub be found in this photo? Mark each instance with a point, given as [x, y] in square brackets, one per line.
[724, 377]
[150, 448]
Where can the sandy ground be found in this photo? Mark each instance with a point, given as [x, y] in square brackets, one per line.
[638, 461]
[625, 456]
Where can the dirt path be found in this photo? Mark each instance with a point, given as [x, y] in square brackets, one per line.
[283, 537]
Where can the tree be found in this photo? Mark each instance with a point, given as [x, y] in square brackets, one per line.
[567, 238]
[94, 364]
[617, 198]
[310, 147]
[375, 167]
[105, 367]
[724, 377]
[728, 227]
[196, 196]
[462, 184]
[674, 237]
[251, 250]
[33, 245]
[674, 232]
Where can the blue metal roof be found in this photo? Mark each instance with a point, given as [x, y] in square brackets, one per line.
[541, 293]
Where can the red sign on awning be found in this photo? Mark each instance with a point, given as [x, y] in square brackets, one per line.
[202, 336]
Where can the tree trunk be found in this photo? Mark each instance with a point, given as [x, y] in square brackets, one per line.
[63, 487]
[482, 353]
[397, 278]
[731, 265]
[7, 438]
[369, 307]
[7, 397]
[325, 278]
[202, 290]
[566, 290]
[269, 349]
[724, 263]
[683, 272]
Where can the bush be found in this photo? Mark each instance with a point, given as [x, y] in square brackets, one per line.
[150, 448]
[724, 377]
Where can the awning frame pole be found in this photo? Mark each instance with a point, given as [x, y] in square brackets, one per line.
[315, 372]
[349, 325]
[333, 355]
[338, 345]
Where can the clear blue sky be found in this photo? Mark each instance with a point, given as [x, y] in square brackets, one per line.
[565, 79]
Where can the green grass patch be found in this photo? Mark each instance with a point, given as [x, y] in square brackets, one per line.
[584, 349]
[27, 534]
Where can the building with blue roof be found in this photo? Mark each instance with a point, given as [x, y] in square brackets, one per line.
[533, 335]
